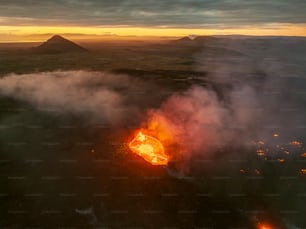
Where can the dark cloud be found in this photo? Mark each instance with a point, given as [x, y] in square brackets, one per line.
[172, 13]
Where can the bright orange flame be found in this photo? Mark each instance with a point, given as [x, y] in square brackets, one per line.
[149, 148]
[264, 226]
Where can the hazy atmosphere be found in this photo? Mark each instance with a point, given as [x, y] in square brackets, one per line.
[152, 114]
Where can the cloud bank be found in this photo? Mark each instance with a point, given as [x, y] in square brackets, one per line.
[172, 13]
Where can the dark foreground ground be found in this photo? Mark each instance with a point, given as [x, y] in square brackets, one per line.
[62, 171]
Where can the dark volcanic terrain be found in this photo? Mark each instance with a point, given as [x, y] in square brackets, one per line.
[68, 110]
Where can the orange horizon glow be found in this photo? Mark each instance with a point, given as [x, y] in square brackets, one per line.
[40, 33]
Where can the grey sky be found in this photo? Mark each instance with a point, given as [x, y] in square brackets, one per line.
[167, 13]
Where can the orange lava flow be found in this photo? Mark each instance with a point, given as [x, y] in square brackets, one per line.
[264, 226]
[149, 148]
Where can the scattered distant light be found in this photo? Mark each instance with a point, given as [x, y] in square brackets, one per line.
[296, 143]
[242, 170]
[275, 135]
[261, 142]
[257, 172]
[286, 152]
[260, 152]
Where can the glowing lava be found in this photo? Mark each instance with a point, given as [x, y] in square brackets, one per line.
[149, 148]
[264, 226]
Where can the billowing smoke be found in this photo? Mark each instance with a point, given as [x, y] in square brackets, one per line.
[197, 121]
[265, 78]
[190, 121]
[93, 94]
[252, 95]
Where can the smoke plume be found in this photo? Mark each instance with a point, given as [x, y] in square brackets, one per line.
[252, 98]
[97, 95]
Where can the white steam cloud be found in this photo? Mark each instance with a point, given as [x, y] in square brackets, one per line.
[91, 93]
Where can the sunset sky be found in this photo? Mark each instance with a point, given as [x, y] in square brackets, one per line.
[35, 20]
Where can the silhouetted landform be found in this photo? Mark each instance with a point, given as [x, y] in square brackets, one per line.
[58, 44]
[196, 40]
[251, 40]
[185, 40]
[209, 44]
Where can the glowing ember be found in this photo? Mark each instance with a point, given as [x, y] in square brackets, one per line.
[261, 142]
[281, 160]
[242, 171]
[303, 171]
[286, 152]
[149, 148]
[296, 143]
[260, 152]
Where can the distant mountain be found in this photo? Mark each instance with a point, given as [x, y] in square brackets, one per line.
[197, 40]
[185, 39]
[58, 44]
[209, 45]
[205, 39]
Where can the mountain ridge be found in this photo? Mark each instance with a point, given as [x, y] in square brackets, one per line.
[59, 44]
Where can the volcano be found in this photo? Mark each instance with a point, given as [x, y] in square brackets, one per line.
[184, 41]
[59, 44]
[197, 40]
